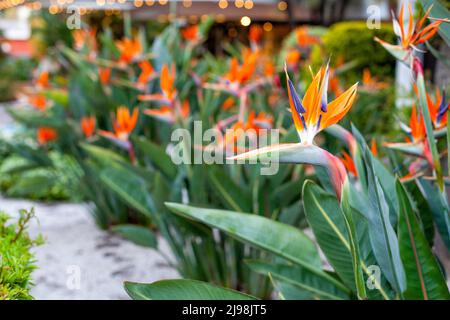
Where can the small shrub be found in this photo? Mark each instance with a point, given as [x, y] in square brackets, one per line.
[354, 42]
[16, 260]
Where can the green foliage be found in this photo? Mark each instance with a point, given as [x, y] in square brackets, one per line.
[16, 260]
[381, 104]
[182, 290]
[21, 177]
[353, 41]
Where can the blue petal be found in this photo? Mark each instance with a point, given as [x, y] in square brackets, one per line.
[442, 108]
[298, 105]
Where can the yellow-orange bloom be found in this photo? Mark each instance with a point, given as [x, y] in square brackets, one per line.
[314, 113]
[87, 125]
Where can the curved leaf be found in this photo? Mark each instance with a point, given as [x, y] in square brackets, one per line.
[424, 278]
[303, 279]
[283, 240]
[182, 289]
[139, 235]
[130, 187]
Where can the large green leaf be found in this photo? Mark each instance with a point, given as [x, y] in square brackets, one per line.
[138, 234]
[382, 234]
[182, 289]
[439, 208]
[327, 222]
[283, 240]
[303, 279]
[351, 217]
[287, 291]
[130, 187]
[424, 277]
[380, 207]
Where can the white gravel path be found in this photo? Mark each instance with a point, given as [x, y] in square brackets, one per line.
[80, 261]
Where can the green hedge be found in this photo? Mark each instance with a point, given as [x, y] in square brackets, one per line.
[16, 260]
[355, 42]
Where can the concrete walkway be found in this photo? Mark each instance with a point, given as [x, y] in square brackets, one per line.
[80, 261]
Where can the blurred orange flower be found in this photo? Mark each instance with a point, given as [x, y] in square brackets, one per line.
[38, 101]
[228, 103]
[168, 113]
[372, 84]
[129, 50]
[146, 72]
[349, 164]
[82, 37]
[104, 75]
[167, 81]
[241, 73]
[42, 80]
[255, 33]
[292, 58]
[87, 125]
[417, 125]
[190, 33]
[304, 39]
[123, 124]
[46, 134]
[240, 128]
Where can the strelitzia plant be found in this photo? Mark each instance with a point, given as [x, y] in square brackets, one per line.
[360, 223]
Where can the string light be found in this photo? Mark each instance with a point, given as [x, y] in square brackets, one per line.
[53, 9]
[282, 5]
[220, 18]
[248, 4]
[239, 3]
[187, 3]
[267, 27]
[162, 2]
[149, 2]
[223, 4]
[246, 21]
[138, 3]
